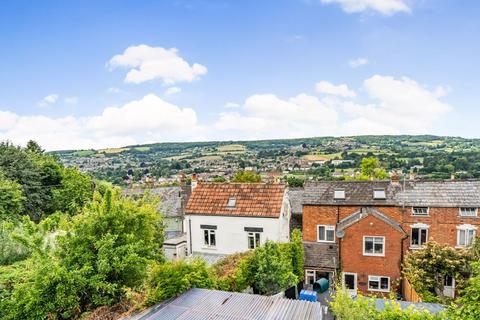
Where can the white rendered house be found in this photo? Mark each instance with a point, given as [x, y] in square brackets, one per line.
[222, 219]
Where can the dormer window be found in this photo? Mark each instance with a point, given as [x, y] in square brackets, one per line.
[231, 202]
[339, 194]
[379, 194]
[419, 211]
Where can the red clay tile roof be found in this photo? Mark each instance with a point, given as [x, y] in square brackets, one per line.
[252, 199]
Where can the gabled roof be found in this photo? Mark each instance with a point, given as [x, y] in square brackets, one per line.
[435, 193]
[170, 199]
[251, 199]
[365, 212]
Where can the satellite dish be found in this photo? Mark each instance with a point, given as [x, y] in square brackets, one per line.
[340, 234]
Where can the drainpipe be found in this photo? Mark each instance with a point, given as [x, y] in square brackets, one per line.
[340, 241]
[190, 233]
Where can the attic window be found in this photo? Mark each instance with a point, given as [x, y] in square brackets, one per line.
[231, 202]
[379, 194]
[339, 194]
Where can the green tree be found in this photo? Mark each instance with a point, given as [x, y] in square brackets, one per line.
[270, 269]
[295, 182]
[467, 306]
[34, 147]
[425, 269]
[246, 176]
[75, 191]
[173, 278]
[370, 168]
[11, 199]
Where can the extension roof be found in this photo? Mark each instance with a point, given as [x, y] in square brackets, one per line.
[251, 199]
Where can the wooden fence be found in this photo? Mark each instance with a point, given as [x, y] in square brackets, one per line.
[409, 293]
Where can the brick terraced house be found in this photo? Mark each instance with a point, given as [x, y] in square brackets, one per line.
[225, 218]
[364, 228]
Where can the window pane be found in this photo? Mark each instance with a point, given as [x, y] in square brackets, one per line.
[368, 245]
[205, 237]
[373, 284]
[330, 235]
[415, 237]
[384, 283]
[423, 236]
[461, 237]
[470, 237]
[349, 281]
[379, 248]
[321, 233]
[257, 240]
[212, 238]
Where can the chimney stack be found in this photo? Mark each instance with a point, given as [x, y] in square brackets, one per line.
[394, 177]
[194, 181]
[452, 177]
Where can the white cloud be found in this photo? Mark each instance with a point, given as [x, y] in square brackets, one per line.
[385, 7]
[71, 100]
[230, 105]
[145, 120]
[358, 62]
[341, 90]
[268, 116]
[149, 63]
[390, 106]
[402, 105]
[50, 99]
[173, 90]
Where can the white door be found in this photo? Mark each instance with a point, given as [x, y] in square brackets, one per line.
[350, 283]
[449, 287]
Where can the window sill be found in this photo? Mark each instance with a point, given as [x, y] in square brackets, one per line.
[416, 247]
[209, 248]
[463, 217]
[324, 241]
[379, 290]
[373, 255]
[420, 215]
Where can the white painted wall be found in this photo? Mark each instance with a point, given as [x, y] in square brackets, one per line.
[175, 252]
[230, 234]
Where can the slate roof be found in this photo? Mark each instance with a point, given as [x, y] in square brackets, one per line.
[252, 199]
[170, 199]
[438, 193]
[295, 196]
[365, 212]
[213, 304]
[319, 254]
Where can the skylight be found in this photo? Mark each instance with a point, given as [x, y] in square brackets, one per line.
[339, 194]
[379, 194]
[231, 202]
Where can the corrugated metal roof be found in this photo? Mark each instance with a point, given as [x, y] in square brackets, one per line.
[213, 304]
[439, 193]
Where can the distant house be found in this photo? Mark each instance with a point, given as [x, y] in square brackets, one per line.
[223, 218]
[365, 228]
[171, 206]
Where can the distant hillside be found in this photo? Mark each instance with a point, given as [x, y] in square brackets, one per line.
[315, 158]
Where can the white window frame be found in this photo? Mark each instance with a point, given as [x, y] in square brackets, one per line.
[339, 194]
[310, 273]
[466, 228]
[354, 290]
[374, 254]
[210, 232]
[232, 202]
[254, 234]
[420, 214]
[468, 215]
[375, 197]
[327, 228]
[420, 226]
[379, 279]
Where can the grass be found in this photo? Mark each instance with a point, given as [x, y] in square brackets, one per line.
[210, 158]
[84, 153]
[321, 156]
[142, 149]
[237, 148]
[112, 150]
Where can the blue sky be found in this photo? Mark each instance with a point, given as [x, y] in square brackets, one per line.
[93, 74]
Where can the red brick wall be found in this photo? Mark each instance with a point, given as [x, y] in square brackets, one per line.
[443, 224]
[354, 261]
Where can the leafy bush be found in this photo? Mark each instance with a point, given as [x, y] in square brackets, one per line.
[173, 278]
[425, 269]
[227, 272]
[346, 308]
[467, 306]
[246, 176]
